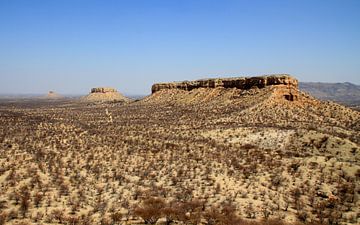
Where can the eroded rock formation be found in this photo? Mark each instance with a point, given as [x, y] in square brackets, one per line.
[104, 94]
[287, 86]
[103, 90]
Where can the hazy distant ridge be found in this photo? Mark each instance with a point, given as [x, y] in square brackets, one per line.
[346, 93]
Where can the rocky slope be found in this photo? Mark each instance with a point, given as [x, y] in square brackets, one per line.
[264, 100]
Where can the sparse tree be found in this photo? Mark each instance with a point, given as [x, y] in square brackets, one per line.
[150, 210]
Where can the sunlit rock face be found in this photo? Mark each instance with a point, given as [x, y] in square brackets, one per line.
[103, 90]
[287, 86]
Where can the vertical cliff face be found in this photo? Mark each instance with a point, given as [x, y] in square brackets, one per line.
[103, 90]
[286, 86]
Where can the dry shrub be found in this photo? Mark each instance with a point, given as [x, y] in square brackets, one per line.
[3, 218]
[116, 217]
[150, 210]
[58, 215]
[171, 212]
[226, 216]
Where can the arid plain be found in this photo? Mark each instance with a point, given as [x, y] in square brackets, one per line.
[216, 151]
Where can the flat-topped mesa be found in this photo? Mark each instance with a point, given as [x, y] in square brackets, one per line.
[104, 94]
[288, 84]
[103, 90]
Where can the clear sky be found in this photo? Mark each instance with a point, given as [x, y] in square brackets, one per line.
[70, 46]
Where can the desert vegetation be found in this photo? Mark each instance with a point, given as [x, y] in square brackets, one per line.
[164, 161]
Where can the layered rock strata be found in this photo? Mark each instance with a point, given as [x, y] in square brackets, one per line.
[286, 85]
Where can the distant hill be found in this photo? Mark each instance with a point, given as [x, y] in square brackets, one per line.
[344, 93]
[52, 95]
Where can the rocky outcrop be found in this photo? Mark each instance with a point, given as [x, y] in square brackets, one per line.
[105, 94]
[237, 82]
[286, 85]
[103, 90]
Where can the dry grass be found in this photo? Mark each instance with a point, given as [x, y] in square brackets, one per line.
[157, 161]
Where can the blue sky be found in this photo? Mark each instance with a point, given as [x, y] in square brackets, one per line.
[70, 46]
